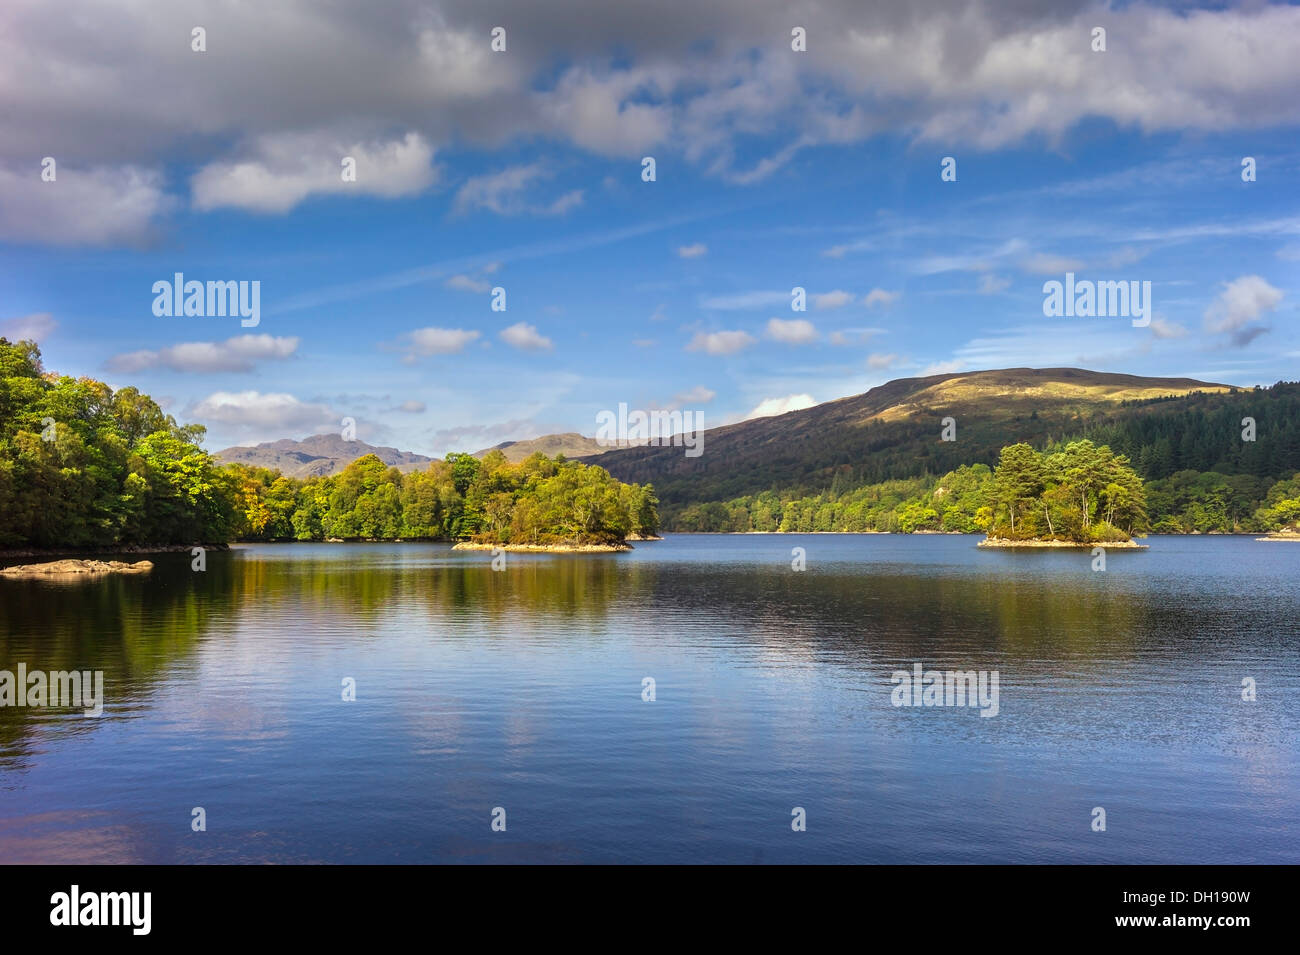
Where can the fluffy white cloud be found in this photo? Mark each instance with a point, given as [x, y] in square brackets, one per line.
[794, 331]
[879, 360]
[1239, 307]
[692, 251]
[880, 296]
[124, 87]
[241, 353]
[720, 343]
[286, 168]
[525, 337]
[35, 327]
[258, 416]
[776, 406]
[437, 341]
[100, 206]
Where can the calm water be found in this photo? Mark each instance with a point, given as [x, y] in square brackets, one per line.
[522, 689]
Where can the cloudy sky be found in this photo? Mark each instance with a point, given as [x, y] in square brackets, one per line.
[522, 170]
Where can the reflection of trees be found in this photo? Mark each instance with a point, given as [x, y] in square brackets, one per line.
[133, 628]
[873, 617]
[866, 618]
[356, 594]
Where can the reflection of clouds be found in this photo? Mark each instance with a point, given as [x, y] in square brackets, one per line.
[438, 729]
[69, 838]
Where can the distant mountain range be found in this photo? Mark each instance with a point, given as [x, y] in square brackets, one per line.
[317, 455]
[893, 432]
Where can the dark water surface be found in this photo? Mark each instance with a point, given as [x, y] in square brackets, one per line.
[522, 689]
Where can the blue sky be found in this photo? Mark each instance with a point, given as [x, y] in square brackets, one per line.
[522, 170]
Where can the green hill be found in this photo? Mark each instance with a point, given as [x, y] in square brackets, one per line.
[892, 433]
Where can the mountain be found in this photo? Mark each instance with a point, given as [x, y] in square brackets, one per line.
[893, 431]
[570, 444]
[317, 455]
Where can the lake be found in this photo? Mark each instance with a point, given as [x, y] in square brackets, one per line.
[523, 690]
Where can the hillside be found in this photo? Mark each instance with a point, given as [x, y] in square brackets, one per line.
[316, 456]
[570, 444]
[893, 432]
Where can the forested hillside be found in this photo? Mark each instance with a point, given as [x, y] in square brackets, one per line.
[853, 464]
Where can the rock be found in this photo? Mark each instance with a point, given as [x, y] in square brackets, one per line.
[65, 568]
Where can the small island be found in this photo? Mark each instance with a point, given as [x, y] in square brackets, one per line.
[561, 548]
[77, 568]
[1083, 496]
[1282, 514]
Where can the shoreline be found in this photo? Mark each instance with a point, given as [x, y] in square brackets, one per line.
[546, 548]
[76, 553]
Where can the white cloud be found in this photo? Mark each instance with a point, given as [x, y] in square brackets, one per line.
[464, 283]
[34, 327]
[720, 343]
[693, 83]
[1239, 306]
[836, 299]
[879, 361]
[257, 416]
[699, 395]
[241, 353]
[775, 406]
[692, 251]
[795, 331]
[943, 367]
[287, 168]
[880, 296]
[97, 207]
[411, 407]
[504, 193]
[526, 337]
[437, 341]
[1162, 328]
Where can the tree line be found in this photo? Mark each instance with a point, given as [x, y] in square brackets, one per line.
[82, 465]
[1052, 493]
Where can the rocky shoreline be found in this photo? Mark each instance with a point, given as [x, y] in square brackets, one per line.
[77, 568]
[1086, 545]
[546, 548]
